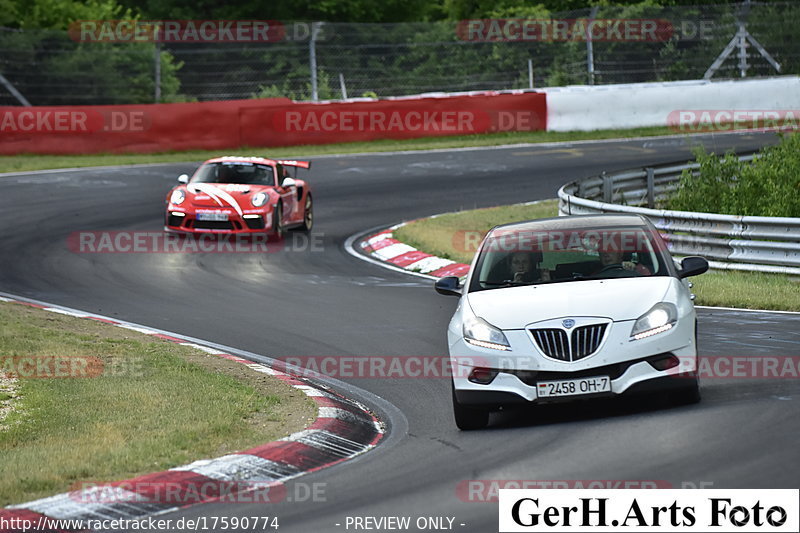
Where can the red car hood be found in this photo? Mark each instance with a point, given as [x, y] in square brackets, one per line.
[218, 195]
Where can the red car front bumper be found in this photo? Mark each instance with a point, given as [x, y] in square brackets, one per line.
[219, 221]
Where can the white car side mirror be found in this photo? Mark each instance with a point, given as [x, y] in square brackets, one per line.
[288, 182]
[183, 178]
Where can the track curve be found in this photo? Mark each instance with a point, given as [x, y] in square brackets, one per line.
[324, 302]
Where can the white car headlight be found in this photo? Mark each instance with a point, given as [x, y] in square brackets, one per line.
[178, 196]
[480, 333]
[661, 317]
[259, 199]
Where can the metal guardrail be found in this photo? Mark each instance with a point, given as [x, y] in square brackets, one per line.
[762, 244]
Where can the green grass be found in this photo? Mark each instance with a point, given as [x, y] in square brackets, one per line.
[445, 236]
[154, 405]
[455, 235]
[748, 290]
[23, 162]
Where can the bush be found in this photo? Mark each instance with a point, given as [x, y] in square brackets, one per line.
[768, 186]
[300, 90]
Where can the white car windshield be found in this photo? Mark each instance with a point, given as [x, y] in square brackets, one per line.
[524, 257]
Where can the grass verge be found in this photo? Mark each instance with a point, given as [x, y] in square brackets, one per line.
[450, 236]
[23, 162]
[748, 290]
[455, 235]
[152, 404]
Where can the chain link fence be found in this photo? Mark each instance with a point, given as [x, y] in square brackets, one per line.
[332, 60]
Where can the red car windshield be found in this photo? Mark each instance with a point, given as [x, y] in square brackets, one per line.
[235, 172]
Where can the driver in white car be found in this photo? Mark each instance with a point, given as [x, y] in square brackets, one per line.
[614, 257]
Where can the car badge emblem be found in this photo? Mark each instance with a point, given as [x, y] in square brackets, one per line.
[568, 323]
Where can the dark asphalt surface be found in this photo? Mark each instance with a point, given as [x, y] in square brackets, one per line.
[322, 302]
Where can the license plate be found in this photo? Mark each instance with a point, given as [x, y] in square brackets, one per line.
[214, 217]
[573, 387]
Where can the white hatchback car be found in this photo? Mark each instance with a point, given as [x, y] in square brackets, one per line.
[571, 308]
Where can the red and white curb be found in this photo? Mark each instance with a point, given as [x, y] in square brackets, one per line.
[385, 249]
[344, 429]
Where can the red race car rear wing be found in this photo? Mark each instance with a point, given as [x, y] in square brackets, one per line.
[299, 164]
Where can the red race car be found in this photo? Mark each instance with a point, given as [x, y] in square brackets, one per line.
[241, 195]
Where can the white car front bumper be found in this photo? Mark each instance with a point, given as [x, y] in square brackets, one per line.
[525, 364]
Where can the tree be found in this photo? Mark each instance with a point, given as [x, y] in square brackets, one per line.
[288, 10]
[72, 72]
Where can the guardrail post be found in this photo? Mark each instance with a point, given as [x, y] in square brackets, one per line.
[651, 185]
[608, 187]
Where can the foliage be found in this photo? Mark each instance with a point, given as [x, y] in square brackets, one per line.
[769, 186]
[288, 90]
[471, 9]
[362, 41]
[58, 14]
[70, 72]
[331, 11]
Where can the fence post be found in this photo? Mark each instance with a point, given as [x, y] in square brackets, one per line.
[590, 46]
[608, 187]
[651, 187]
[312, 59]
[530, 74]
[343, 86]
[157, 58]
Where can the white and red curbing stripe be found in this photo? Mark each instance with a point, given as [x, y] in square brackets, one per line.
[343, 429]
[384, 247]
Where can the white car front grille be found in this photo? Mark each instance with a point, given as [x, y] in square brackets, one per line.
[558, 344]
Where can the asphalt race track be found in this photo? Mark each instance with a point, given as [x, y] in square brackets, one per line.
[324, 302]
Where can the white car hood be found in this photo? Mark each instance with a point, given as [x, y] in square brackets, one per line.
[618, 299]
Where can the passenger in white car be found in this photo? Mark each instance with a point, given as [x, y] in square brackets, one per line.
[524, 267]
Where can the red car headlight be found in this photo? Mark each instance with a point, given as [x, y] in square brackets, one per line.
[259, 199]
[178, 196]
